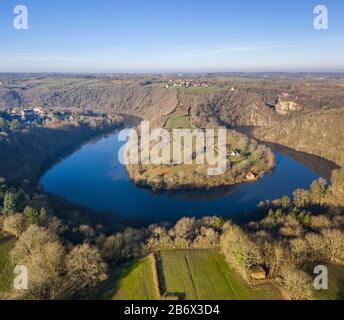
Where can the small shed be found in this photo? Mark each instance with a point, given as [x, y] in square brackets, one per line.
[258, 273]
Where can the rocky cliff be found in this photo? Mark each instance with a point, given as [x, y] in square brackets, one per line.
[285, 105]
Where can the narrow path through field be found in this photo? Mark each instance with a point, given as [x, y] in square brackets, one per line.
[191, 277]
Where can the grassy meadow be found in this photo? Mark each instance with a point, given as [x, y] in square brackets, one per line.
[205, 275]
[131, 281]
[6, 267]
[335, 283]
[199, 90]
[178, 121]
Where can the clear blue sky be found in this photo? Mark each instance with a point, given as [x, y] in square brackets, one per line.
[168, 36]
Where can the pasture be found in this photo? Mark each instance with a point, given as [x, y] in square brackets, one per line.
[335, 285]
[205, 275]
[131, 281]
[195, 275]
[178, 121]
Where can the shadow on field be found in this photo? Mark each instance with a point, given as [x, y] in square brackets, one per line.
[340, 293]
[108, 289]
[162, 283]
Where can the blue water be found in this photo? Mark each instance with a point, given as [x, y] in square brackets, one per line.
[93, 177]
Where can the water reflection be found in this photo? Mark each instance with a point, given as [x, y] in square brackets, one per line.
[93, 177]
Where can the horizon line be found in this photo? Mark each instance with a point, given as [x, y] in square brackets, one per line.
[170, 72]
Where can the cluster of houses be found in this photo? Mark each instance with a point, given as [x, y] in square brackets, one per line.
[38, 114]
[185, 84]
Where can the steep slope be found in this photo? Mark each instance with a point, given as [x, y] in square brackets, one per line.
[320, 133]
[237, 108]
[130, 98]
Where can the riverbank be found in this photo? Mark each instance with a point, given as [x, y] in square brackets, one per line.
[319, 164]
[29, 153]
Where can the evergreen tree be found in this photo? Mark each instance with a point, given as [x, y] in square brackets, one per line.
[271, 213]
[9, 206]
[279, 213]
[31, 216]
[307, 220]
[2, 123]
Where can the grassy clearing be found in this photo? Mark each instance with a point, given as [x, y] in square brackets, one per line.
[6, 267]
[204, 274]
[200, 90]
[185, 168]
[178, 121]
[336, 285]
[131, 281]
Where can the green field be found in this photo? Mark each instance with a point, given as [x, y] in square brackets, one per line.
[56, 83]
[199, 90]
[336, 285]
[205, 275]
[6, 267]
[132, 281]
[178, 121]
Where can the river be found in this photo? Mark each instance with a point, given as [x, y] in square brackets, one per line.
[93, 177]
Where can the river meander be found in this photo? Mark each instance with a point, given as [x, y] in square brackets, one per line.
[93, 177]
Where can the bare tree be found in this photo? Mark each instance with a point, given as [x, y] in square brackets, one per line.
[111, 249]
[14, 225]
[296, 282]
[184, 227]
[298, 249]
[320, 222]
[207, 238]
[334, 243]
[43, 255]
[85, 267]
[273, 257]
[316, 246]
[239, 249]
[34, 238]
[291, 227]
